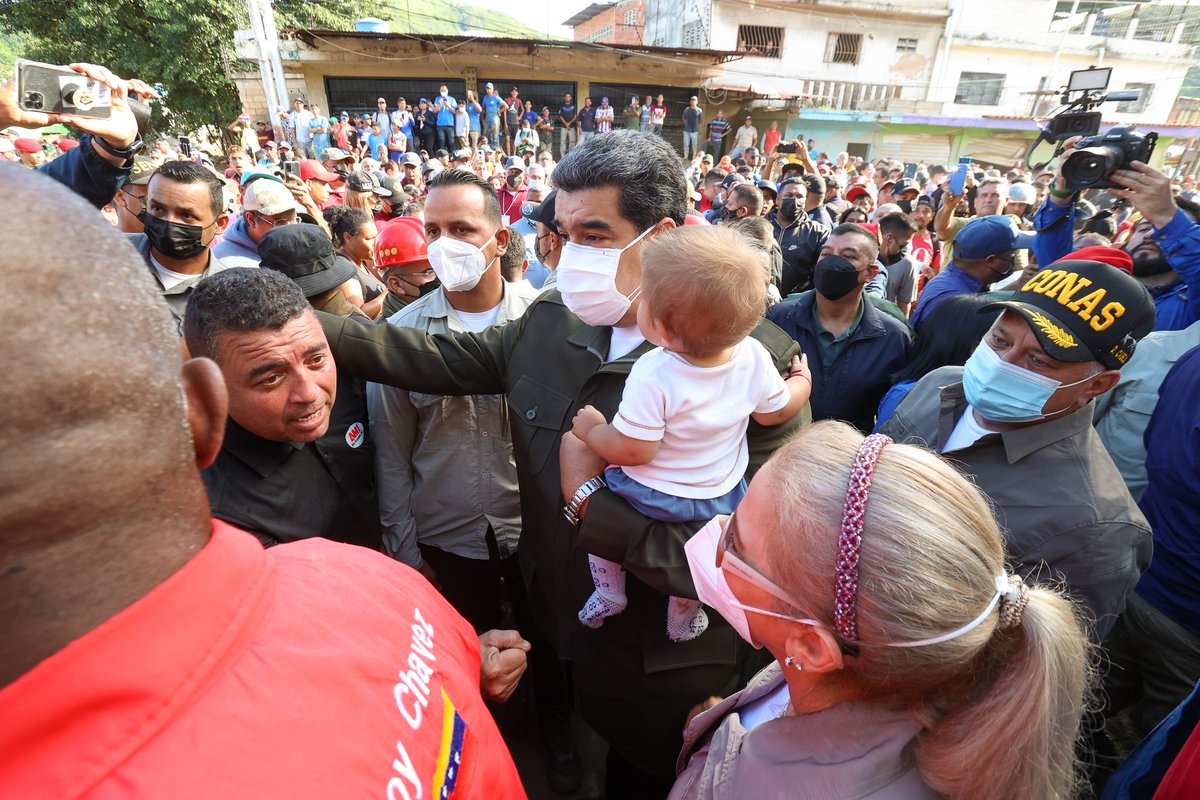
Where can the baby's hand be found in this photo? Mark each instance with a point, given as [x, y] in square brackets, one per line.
[586, 418]
[799, 368]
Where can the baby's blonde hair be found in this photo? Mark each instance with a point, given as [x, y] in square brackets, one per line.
[704, 284]
[1001, 706]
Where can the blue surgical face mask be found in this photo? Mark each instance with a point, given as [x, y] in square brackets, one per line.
[1005, 392]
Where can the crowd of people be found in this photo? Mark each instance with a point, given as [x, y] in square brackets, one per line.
[788, 474]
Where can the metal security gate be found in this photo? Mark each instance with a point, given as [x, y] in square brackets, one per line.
[544, 94]
[359, 95]
[928, 147]
[675, 98]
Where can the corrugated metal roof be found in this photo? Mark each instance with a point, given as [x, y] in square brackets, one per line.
[587, 13]
[562, 43]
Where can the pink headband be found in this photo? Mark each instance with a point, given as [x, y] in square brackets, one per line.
[845, 593]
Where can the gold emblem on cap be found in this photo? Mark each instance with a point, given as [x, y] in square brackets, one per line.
[1059, 336]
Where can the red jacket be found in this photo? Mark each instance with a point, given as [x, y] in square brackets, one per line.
[510, 203]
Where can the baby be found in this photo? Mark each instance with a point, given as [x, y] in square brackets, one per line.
[678, 441]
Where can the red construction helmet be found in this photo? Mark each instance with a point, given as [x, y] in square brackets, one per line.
[401, 241]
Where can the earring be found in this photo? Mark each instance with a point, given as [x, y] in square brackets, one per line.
[790, 662]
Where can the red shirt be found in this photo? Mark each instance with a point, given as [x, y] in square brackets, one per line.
[770, 139]
[311, 669]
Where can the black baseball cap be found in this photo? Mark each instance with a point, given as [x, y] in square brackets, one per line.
[815, 184]
[363, 181]
[392, 185]
[542, 212]
[1084, 311]
[305, 254]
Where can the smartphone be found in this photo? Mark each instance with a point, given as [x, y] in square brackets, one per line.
[786, 148]
[61, 90]
[958, 179]
[291, 168]
[910, 170]
[185, 147]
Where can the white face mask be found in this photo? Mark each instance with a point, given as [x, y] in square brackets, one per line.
[587, 280]
[459, 265]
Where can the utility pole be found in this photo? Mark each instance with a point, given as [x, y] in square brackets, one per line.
[264, 69]
[1061, 41]
[268, 17]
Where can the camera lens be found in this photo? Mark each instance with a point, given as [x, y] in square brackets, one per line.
[1090, 166]
[35, 100]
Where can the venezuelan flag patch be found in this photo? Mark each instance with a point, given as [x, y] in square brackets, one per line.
[451, 754]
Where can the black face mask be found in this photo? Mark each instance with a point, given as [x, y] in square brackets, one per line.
[424, 288]
[835, 277]
[173, 239]
[515, 180]
[1008, 269]
[905, 205]
[789, 208]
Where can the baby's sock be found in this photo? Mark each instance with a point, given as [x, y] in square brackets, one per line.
[609, 598]
[685, 619]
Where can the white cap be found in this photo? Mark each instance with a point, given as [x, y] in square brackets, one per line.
[6, 145]
[1022, 193]
[268, 197]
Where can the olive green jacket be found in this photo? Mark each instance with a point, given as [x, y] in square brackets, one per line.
[548, 364]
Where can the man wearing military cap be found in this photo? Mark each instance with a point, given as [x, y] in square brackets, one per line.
[1017, 419]
[130, 199]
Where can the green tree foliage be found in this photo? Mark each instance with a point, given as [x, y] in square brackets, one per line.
[181, 46]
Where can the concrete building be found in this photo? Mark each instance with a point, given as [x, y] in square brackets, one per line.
[348, 70]
[930, 81]
[611, 23]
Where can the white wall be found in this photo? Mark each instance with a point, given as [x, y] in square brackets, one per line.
[1023, 72]
[804, 44]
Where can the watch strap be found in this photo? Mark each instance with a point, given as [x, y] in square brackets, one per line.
[126, 153]
[573, 506]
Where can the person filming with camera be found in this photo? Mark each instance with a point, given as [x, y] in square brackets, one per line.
[1164, 243]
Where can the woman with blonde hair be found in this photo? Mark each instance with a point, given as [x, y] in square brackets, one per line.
[909, 663]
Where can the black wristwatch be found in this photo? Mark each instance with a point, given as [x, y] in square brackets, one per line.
[125, 155]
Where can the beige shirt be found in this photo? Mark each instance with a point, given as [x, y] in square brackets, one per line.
[444, 465]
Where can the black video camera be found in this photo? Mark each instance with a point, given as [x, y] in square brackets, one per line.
[1095, 158]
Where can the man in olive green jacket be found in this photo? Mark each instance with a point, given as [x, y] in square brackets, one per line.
[634, 684]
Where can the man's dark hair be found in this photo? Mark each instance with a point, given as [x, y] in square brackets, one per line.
[714, 176]
[1190, 207]
[745, 171]
[513, 258]
[857, 230]
[239, 300]
[898, 224]
[646, 170]
[938, 169]
[749, 194]
[739, 162]
[460, 177]
[344, 221]
[187, 172]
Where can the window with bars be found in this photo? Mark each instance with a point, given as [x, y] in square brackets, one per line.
[693, 35]
[905, 45]
[760, 40]
[843, 48]
[1139, 105]
[979, 88]
[630, 18]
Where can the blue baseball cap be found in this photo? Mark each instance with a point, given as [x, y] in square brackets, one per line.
[987, 236]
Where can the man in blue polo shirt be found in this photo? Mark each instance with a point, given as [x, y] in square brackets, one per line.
[984, 251]
[446, 106]
[493, 107]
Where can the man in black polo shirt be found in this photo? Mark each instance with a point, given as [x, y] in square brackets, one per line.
[800, 238]
[295, 464]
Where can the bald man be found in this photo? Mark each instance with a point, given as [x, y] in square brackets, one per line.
[150, 650]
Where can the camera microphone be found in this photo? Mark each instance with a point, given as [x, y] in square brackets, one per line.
[1123, 95]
